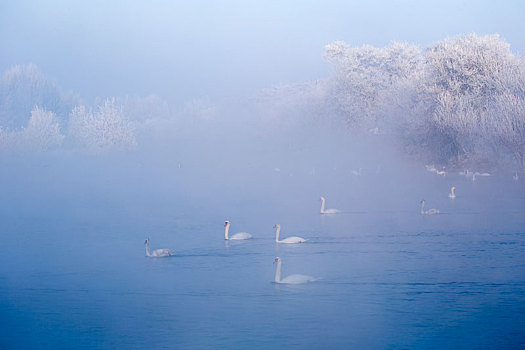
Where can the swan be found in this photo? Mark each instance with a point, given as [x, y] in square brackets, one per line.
[441, 172]
[516, 177]
[452, 193]
[237, 236]
[292, 279]
[432, 169]
[478, 174]
[327, 211]
[357, 172]
[429, 211]
[157, 253]
[292, 239]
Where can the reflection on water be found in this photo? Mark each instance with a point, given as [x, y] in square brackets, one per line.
[73, 272]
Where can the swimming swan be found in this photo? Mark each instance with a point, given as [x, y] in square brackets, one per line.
[292, 239]
[452, 193]
[432, 169]
[327, 211]
[237, 236]
[157, 253]
[478, 174]
[292, 279]
[429, 211]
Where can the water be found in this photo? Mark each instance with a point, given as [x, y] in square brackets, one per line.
[73, 273]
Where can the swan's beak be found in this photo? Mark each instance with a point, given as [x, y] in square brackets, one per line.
[276, 260]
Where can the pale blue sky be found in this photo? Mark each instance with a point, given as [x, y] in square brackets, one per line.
[185, 49]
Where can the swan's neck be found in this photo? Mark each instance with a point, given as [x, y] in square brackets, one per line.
[147, 249]
[422, 207]
[452, 190]
[226, 230]
[322, 205]
[277, 233]
[278, 272]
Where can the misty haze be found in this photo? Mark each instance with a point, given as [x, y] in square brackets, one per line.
[311, 176]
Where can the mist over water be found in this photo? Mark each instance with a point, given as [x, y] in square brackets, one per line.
[74, 272]
[122, 121]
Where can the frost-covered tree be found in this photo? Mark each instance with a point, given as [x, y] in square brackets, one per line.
[42, 133]
[508, 124]
[104, 130]
[364, 76]
[463, 80]
[24, 87]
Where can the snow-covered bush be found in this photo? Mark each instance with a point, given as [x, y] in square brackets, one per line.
[41, 134]
[104, 130]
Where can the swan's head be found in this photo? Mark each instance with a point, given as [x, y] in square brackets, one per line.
[226, 223]
[422, 201]
[453, 188]
[146, 241]
[276, 226]
[322, 199]
[276, 260]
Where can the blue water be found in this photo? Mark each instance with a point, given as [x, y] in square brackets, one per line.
[73, 273]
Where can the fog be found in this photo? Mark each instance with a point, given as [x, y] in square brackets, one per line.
[181, 50]
[123, 121]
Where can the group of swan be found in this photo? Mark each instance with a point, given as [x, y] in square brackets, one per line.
[451, 195]
[292, 279]
[245, 235]
[473, 174]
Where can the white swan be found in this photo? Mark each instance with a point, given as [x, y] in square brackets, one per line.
[478, 174]
[237, 236]
[327, 211]
[432, 169]
[441, 172]
[292, 239]
[157, 253]
[452, 193]
[429, 211]
[292, 279]
[516, 177]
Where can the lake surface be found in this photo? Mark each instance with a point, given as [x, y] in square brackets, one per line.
[73, 271]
